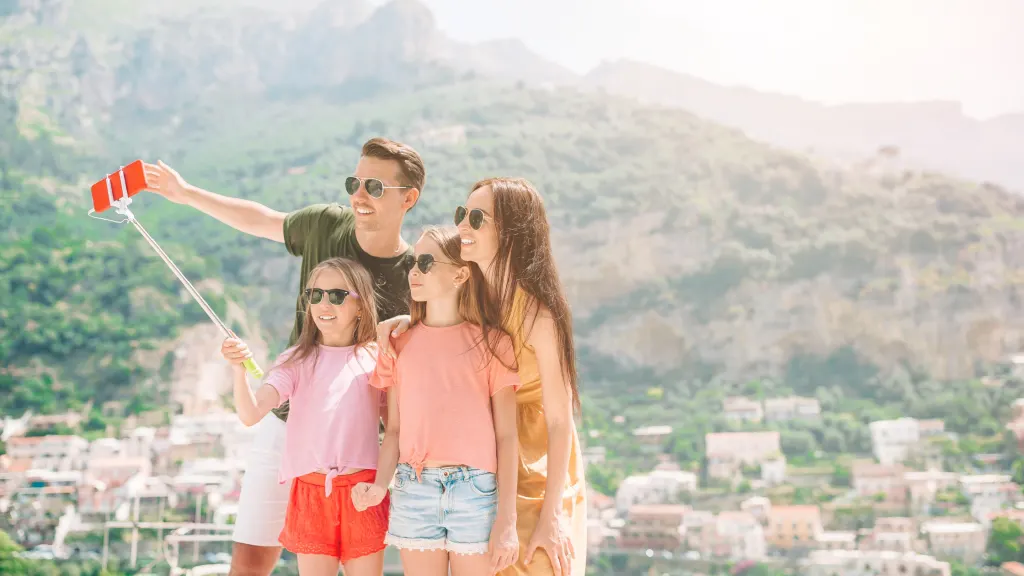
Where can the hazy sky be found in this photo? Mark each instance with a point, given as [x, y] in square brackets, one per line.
[825, 50]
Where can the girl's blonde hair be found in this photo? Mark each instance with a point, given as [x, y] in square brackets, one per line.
[360, 282]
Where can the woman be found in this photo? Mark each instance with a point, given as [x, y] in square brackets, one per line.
[505, 233]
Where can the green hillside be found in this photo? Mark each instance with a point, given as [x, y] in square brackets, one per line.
[699, 262]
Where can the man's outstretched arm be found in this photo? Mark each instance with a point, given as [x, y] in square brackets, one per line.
[243, 215]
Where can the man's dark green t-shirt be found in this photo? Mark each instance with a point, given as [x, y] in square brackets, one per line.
[323, 231]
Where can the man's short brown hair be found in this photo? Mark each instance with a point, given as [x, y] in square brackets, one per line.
[410, 165]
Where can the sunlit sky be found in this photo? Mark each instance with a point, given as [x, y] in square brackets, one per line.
[831, 51]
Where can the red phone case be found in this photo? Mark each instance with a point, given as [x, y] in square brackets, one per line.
[134, 179]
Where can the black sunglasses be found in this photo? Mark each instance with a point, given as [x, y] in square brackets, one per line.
[476, 216]
[425, 262]
[374, 187]
[335, 295]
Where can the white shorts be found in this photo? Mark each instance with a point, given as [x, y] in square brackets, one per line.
[263, 501]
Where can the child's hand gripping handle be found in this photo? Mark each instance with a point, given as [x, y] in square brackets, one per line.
[234, 349]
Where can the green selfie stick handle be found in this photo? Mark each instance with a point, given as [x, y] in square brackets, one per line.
[253, 368]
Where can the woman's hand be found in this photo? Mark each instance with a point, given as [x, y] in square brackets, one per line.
[552, 534]
[387, 329]
[235, 351]
[504, 544]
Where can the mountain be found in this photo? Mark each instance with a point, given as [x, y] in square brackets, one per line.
[932, 135]
[691, 252]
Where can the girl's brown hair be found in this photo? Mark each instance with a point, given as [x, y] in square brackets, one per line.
[448, 240]
[360, 282]
[524, 260]
[474, 306]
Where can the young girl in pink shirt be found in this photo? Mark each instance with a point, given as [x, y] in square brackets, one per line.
[331, 438]
[451, 426]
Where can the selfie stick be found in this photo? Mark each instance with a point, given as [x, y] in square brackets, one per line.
[112, 195]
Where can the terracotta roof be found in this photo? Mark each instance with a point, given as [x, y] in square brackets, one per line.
[801, 511]
[31, 440]
[19, 465]
[872, 470]
[658, 509]
[1014, 568]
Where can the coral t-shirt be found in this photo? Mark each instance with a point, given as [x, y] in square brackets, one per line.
[445, 378]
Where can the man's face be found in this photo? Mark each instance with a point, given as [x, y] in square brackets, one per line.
[387, 211]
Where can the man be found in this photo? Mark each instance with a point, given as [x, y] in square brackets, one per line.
[386, 184]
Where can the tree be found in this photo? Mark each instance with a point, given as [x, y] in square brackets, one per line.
[759, 570]
[10, 563]
[1004, 542]
[840, 475]
[833, 441]
[1017, 470]
[797, 442]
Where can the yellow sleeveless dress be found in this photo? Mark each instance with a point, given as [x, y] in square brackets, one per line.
[533, 459]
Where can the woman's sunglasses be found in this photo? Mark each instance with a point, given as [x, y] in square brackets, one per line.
[374, 187]
[336, 296]
[425, 262]
[476, 216]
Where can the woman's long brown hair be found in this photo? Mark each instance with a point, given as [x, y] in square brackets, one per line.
[474, 306]
[524, 260]
[360, 282]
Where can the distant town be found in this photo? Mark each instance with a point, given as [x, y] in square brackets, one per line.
[164, 488]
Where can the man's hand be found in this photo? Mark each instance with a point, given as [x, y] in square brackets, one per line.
[366, 495]
[165, 181]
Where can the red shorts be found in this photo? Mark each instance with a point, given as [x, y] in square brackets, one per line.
[331, 526]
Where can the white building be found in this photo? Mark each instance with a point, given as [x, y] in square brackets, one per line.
[923, 487]
[742, 534]
[47, 478]
[836, 540]
[729, 535]
[727, 452]
[140, 442]
[116, 470]
[106, 448]
[657, 487]
[759, 506]
[594, 455]
[964, 540]
[792, 408]
[773, 470]
[740, 409]
[892, 441]
[988, 493]
[50, 452]
[880, 563]
[652, 436]
[211, 424]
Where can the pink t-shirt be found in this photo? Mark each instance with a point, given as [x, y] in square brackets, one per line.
[334, 420]
[445, 378]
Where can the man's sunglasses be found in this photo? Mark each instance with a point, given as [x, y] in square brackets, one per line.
[476, 216]
[335, 295]
[374, 187]
[425, 262]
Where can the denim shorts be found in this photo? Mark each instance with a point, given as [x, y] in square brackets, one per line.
[450, 508]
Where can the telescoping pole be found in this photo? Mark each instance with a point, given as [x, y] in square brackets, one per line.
[249, 364]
